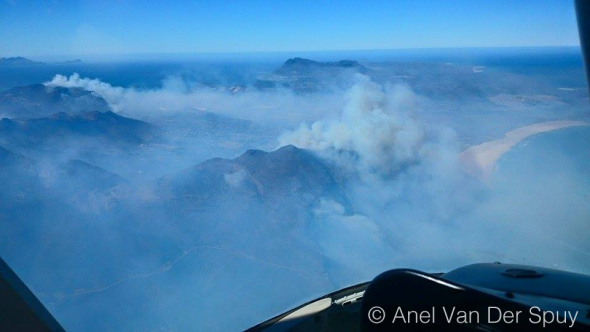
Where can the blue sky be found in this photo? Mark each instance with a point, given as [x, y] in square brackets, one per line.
[54, 27]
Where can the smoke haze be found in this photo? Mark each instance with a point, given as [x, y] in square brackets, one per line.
[284, 186]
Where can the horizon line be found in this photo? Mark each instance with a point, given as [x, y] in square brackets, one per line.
[231, 53]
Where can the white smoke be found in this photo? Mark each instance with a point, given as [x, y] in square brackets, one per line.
[180, 96]
[173, 96]
[413, 205]
[374, 127]
[378, 139]
[113, 95]
[399, 176]
[353, 240]
[235, 179]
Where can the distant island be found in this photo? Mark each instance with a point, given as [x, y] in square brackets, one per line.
[20, 61]
[70, 62]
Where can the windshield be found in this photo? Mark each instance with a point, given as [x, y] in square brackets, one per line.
[209, 165]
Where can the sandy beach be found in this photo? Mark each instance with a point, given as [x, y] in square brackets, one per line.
[480, 160]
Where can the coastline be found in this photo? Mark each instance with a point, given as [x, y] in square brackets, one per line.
[480, 160]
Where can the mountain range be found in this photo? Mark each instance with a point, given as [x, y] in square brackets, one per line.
[304, 75]
[271, 178]
[39, 100]
[84, 128]
[102, 236]
[82, 211]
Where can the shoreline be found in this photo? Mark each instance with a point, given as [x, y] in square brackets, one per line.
[480, 160]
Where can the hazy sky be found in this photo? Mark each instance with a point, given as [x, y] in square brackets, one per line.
[54, 27]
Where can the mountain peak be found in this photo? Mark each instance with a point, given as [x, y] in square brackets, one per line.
[301, 62]
[104, 127]
[305, 75]
[289, 147]
[38, 100]
[285, 172]
[287, 151]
